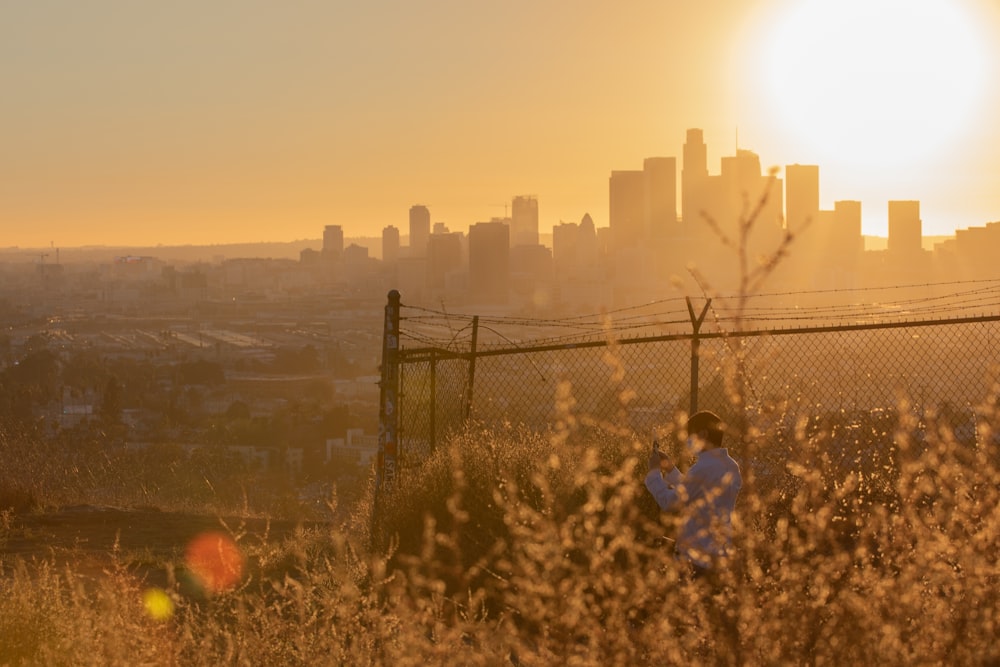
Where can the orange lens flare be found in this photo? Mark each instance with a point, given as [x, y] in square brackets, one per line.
[215, 561]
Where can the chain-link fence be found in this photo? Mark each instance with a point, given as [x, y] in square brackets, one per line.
[849, 372]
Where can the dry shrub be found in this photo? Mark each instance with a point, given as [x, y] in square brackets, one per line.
[876, 542]
[855, 543]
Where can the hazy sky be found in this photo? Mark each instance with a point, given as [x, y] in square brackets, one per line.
[133, 122]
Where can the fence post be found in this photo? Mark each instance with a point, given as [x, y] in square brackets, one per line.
[472, 366]
[695, 345]
[388, 430]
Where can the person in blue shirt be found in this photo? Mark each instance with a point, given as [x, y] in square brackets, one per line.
[704, 498]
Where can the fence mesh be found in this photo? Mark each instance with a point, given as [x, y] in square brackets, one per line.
[637, 376]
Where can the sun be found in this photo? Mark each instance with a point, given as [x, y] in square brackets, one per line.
[878, 83]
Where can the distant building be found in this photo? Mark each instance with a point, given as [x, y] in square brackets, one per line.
[660, 196]
[444, 258]
[801, 195]
[357, 447]
[694, 179]
[846, 239]
[489, 262]
[411, 278]
[333, 242]
[627, 208]
[524, 221]
[420, 230]
[974, 252]
[136, 268]
[309, 256]
[390, 244]
[745, 188]
[905, 227]
[531, 275]
[565, 244]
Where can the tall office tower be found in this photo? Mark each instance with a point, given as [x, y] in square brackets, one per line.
[444, 257]
[660, 195]
[440, 228]
[565, 242]
[420, 229]
[390, 244]
[524, 221]
[744, 190]
[905, 229]
[801, 195]
[627, 214]
[333, 242]
[489, 262]
[846, 237]
[588, 249]
[694, 178]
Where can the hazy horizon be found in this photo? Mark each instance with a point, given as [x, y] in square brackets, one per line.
[193, 124]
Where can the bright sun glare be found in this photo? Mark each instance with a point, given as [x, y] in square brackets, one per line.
[874, 82]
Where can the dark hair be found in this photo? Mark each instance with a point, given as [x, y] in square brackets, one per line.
[709, 423]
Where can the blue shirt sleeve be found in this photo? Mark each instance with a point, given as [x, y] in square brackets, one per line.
[663, 488]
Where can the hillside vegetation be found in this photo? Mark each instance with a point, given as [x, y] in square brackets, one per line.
[515, 547]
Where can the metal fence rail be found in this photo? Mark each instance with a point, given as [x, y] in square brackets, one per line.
[640, 382]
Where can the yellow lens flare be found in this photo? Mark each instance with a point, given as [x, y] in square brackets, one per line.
[215, 561]
[157, 604]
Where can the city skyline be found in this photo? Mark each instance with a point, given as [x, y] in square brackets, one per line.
[186, 124]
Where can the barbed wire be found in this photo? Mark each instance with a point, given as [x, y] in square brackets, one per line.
[896, 303]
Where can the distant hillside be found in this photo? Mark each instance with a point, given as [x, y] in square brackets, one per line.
[183, 254]
[273, 250]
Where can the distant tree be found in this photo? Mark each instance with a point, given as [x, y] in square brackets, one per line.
[199, 372]
[318, 391]
[296, 360]
[84, 370]
[336, 421]
[110, 409]
[237, 410]
[5, 347]
[39, 372]
[36, 342]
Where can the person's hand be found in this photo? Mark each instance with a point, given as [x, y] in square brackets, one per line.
[655, 457]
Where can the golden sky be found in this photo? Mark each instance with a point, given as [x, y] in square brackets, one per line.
[193, 121]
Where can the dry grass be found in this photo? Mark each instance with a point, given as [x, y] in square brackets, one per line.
[518, 547]
[856, 543]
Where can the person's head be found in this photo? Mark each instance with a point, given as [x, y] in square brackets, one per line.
[707, 427]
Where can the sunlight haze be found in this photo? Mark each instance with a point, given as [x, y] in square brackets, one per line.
[197, 123]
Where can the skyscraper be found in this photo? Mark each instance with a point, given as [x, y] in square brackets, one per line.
[524, 221]
[846, 239]
[744, 191]
[333, 242]
[489, 262]
[801, 195]
[444, 257]
[627, 210]
[390, 244]
[420, 229]
[660, 194]
[565, 242]
[588, 247]
[694, 178]
[905, 227]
